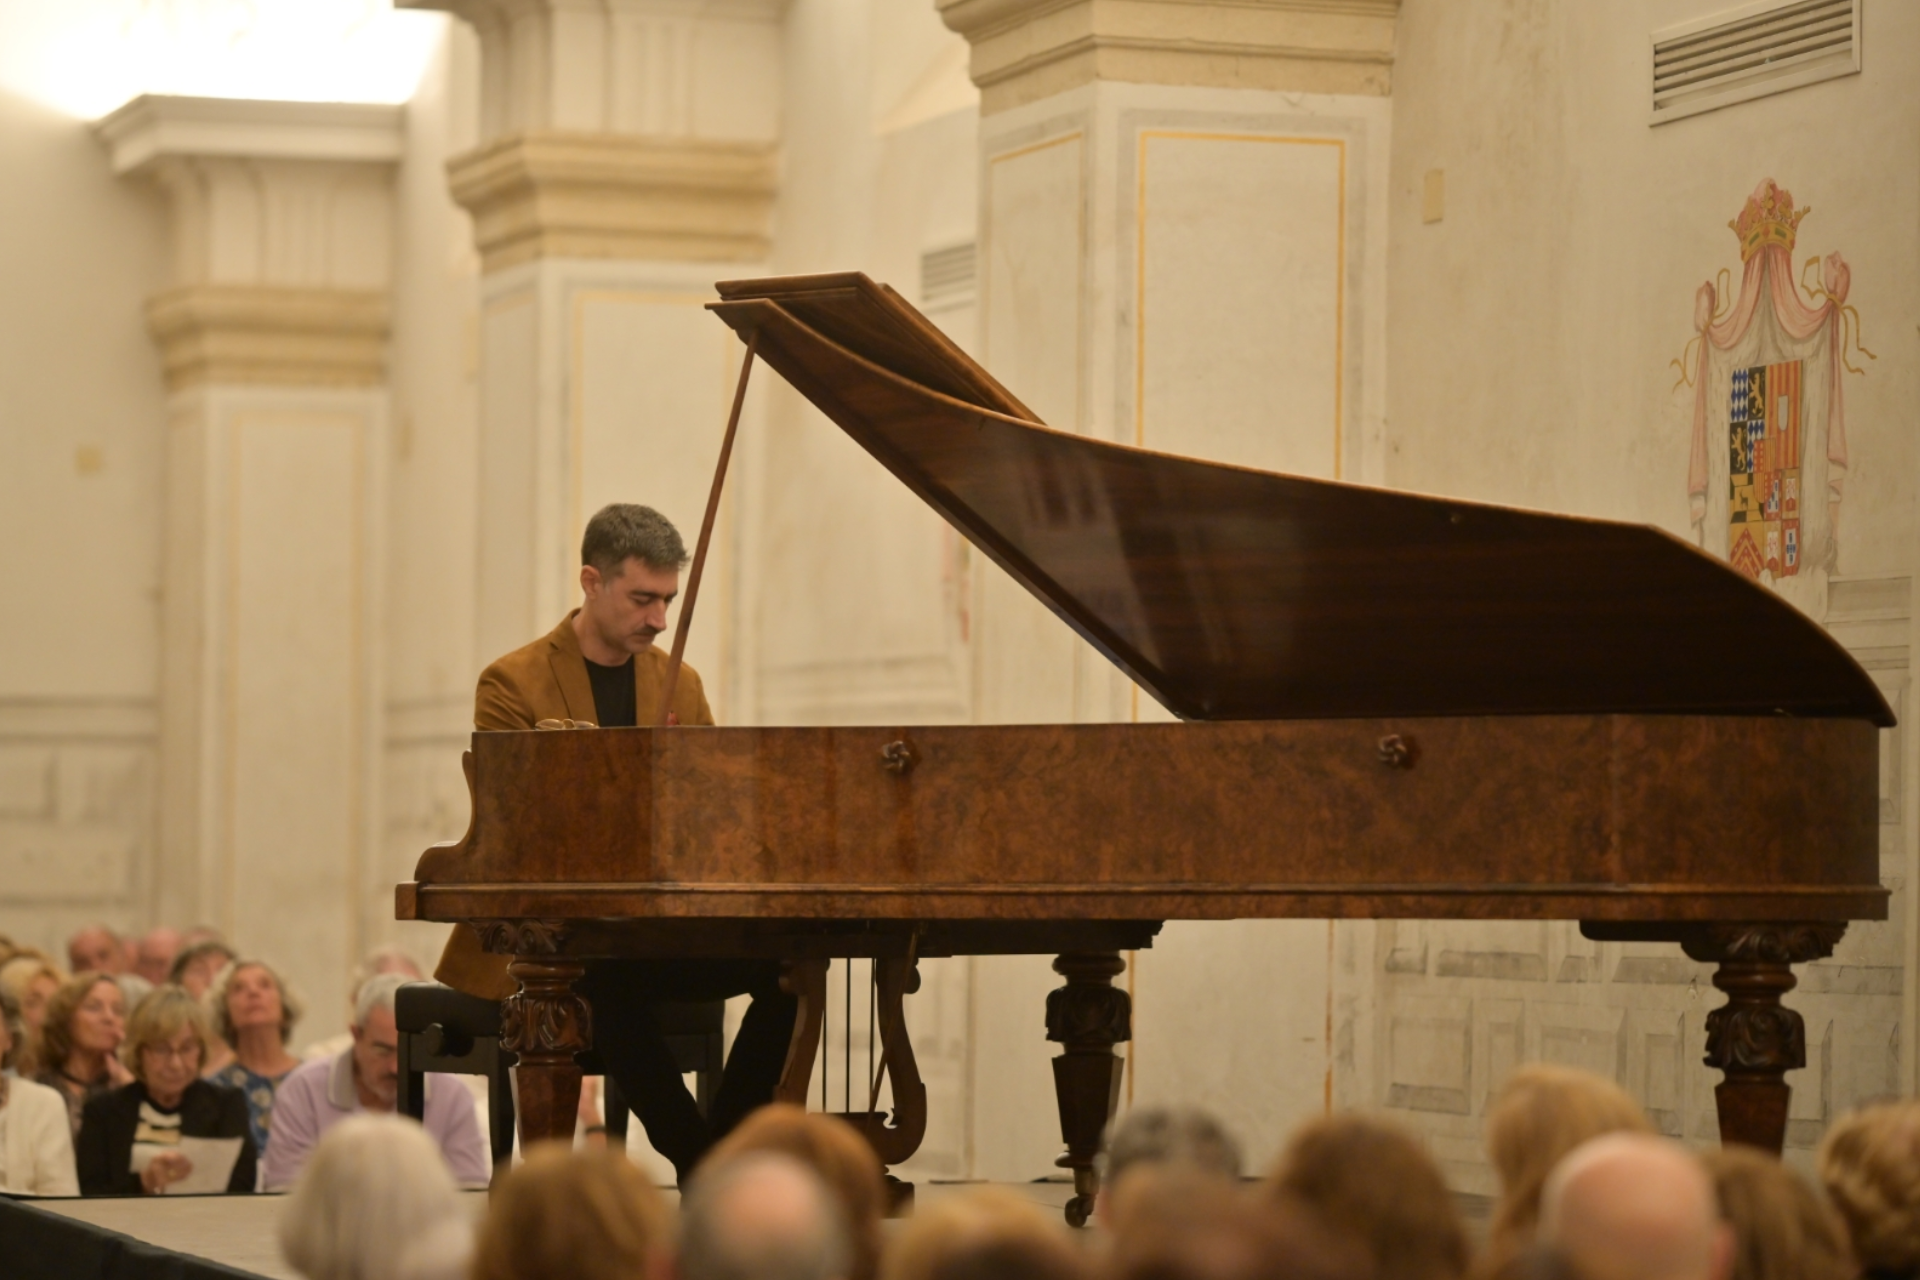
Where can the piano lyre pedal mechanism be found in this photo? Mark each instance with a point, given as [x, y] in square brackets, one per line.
[1391, 705]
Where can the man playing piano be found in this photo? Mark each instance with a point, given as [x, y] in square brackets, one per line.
[600, 666]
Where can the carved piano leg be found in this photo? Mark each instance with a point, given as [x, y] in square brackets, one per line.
[895, 1142]
[546, 1023]
[806, 981]
[1753, 1038]
[1087, 1017]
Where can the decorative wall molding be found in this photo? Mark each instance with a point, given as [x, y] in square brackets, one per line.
[1026, 50]
[654, 67]
[262, 334]
[591, 195]
[156, 127]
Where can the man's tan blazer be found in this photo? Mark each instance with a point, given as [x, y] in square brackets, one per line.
[547, 680]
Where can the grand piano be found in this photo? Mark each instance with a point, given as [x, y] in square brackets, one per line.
[1389, 705]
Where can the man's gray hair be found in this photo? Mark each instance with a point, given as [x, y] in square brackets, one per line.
[377, 993]
[1172, 1135]
[624, 530]
[762, 1216]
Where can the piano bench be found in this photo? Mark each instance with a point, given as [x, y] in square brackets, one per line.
[441, 1029]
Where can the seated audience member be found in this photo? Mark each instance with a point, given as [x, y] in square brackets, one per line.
[153, 954]
[836, 1152]
[1542, 1113]
[197, 966]
[988, 1234]
[1195, 1228]
[130, 1138]
[253, 1013]
[1869, 1164]
[31, 979]
[315, 1096]
[376, 1203]
[36, 1146]
[1631, 1206]
[1782, 1228]
[589, 1215]
[80, 1041]
[761, 1216]
[380, 960]
[1373, 1180]
[1153, 1141]
[98, 949]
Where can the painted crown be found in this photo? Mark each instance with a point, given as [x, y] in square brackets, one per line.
[1769, 218]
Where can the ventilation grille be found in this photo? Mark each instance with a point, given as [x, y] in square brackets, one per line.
[946, 278]
[1752, 52]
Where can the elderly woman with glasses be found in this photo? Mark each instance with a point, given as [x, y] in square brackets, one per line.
[130, 1138]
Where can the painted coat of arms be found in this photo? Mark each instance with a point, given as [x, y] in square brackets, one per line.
[1769, 458]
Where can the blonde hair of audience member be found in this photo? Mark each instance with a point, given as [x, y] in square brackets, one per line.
[1150, 1140]
[762, 1215]
[589, 1215]
[31, 979]
[1869, 1164]
[989, 1232]
[837, 1153]
[1632, 1206]
[85, 1025]
[375, 1202]
[1370, 1178]
[1193, 1228]
[1542, 1113]
[255, 978]
[1782, 1228]
[157, 1021]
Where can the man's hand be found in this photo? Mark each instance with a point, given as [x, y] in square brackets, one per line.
[164, 1170]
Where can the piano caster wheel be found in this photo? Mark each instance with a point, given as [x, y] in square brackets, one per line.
[1079, 1210]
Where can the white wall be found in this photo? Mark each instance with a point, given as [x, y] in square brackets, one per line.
[1529, 338]
[81, 435]
[430, 655]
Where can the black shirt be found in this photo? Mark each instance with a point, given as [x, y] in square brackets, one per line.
[613, 694]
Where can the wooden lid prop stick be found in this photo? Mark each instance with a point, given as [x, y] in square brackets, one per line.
[706, 536]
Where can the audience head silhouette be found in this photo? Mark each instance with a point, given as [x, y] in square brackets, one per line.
[1782, 1228]
[837, 1153]
[1631, 1206]
[375, 1202]
[989, 1234]
[1193, 1228]
[1153, 1143]
[587, 1215]
[1870, 1165]
[1373, 1180]
[1542, 1113]
[762, 1216]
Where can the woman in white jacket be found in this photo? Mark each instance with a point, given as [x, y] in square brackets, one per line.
[36, 1144]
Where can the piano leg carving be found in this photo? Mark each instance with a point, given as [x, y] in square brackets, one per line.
[1087, 1017]
[896, 1141]
[805, 981]
[1752, 1038]
[545, 1023]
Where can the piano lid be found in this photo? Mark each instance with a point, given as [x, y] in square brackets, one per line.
[1233, 594]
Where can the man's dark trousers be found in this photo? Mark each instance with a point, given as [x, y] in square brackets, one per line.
[634, 1052]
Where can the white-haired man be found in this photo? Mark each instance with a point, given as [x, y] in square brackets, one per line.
[1630, 1206]
[366, 1077]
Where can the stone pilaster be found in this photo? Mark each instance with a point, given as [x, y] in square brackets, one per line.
[273, 339]
[627, 160]
[1181, 245]
[1026, 50]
